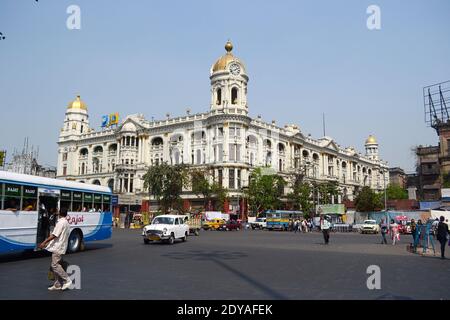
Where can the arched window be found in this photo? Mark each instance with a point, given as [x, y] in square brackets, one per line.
[111, 184]
[234, 95]
[219, 97]
[128, 141]
[199, 156]
[82, 168]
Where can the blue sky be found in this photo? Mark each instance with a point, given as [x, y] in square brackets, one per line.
[304, 58]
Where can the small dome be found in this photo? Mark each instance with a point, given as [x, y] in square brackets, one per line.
[77, 104]
[222, 63]
[371, 140]
[129, 126]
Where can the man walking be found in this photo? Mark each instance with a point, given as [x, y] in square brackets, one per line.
[442, 233]
[56, 243]
[325, 227]
[383, 231]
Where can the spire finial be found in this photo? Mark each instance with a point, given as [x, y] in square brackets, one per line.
[228, 46]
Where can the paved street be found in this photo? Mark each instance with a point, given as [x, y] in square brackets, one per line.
[234, 265]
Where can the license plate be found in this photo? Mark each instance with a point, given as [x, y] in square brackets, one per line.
[154, 238]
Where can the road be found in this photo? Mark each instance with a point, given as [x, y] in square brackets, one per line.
[245, 264]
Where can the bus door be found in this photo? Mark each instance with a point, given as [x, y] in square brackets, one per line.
[48, 202]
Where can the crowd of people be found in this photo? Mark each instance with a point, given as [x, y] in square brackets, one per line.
[303, 225]
[423, 234]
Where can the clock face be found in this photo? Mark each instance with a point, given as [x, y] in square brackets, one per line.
[235, 69]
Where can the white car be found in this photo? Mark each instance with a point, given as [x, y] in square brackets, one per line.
[166, 228]
[370, 226]
[259, 223]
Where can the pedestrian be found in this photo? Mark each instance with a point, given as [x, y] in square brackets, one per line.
[442, 235]
[394, 232]
[56, 243]
[413, 232]
[325, 227]
[417, 235]
[304, 226]
[383, 231]
[428, 237]
[296, 223]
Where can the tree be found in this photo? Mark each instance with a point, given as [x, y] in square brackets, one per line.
[165, 183]
[264, 191]
[201, 185]
[367, 200]
[395, 192]
[301, 192]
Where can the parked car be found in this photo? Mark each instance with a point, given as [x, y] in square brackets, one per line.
[370, 226]
[213, 224]
[231, 225]
[259, 223]
[166, 228]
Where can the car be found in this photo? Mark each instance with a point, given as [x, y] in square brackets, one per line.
[259, 223]
[230, 225]
[370, 226]
[213, 224]
[167, 228]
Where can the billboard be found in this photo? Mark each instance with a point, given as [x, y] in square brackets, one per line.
[331, 209]
[109, 120]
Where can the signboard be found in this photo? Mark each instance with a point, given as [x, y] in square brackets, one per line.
[29, 192]
[331, 209]
[97, 198]
[67, 195]
[115, 200]
[77, 196]
[87, 197]
[109, 120]
[50, 192]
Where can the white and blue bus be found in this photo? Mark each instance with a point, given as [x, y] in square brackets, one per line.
[28, 205]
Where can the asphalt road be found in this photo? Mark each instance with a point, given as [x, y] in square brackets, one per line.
[234, 265]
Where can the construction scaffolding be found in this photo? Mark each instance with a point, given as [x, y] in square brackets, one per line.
[436, 101]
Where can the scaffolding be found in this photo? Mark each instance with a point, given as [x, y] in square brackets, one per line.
[436, 101]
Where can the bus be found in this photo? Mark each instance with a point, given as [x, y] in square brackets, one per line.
[279, 219]
[28, 205]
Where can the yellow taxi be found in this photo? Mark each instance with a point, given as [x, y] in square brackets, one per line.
[213, 224]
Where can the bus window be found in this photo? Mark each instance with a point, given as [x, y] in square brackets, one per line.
[66, 200]
[77, 203]
[29, 202]
[97, 202]
[106, 203]
[1, 196]
[87, 202]
[12, 197]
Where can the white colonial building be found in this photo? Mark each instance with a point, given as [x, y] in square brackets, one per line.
[224, 138]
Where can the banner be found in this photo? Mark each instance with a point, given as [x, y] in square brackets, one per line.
[331, 209]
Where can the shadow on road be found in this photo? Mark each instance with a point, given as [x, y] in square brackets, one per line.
[218, 257]
[30, 254]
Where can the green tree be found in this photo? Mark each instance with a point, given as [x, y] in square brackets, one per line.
[301, 192]
[264, 191]
[165, 183]
[367, 200]
[395, 192]
[201, 185]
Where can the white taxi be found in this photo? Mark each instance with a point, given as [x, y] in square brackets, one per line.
[166, 228]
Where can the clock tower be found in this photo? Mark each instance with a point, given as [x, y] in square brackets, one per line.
[229, 83]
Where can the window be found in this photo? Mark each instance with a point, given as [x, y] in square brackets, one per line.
[97, 202]
[220, 152]
[177, 222]
[65, 171]
[219, 97]
[66, 200]
[131, 182]
[12, 197]
[234, 95]
[106, 203]
[65, 156]
[199, 156]
[77, 204]
[29, 202]
[239, 172]
[231, 180]
[220, 177]
[232, 155]
[87, 202]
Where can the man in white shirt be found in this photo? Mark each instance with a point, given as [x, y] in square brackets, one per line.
[325, 227]
[56, 243]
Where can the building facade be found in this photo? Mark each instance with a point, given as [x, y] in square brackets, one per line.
[224, 139]
[397, 176]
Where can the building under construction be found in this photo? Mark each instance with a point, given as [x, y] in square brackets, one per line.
[433, 162]
[26, 162]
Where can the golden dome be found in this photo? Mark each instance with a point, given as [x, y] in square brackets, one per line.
[223, 61]
[77, 104]
[371, 140]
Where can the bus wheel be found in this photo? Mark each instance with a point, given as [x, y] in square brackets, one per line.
[75, 242]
